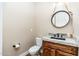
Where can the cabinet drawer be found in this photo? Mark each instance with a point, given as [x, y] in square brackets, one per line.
[60, 53]
[64, 48]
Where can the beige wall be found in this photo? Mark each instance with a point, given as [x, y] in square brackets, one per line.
[17, 25]
[1, 16]
[43, 20]
[44, 12]
[20, 18]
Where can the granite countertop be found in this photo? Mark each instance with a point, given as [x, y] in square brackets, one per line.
[68, 41]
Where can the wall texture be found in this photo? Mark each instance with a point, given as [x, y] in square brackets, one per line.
[1, 17]
[43, 20]
[74, 7]
[18, 27]
[22, 22]
[44, 12]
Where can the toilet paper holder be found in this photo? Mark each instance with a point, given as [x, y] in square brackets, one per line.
[16, 45]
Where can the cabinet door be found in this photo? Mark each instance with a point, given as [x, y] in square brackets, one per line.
[48, 52]
[60, 53]
[52, 52]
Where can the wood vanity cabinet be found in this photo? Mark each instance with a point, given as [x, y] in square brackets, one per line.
[56, 49]
[48, 52]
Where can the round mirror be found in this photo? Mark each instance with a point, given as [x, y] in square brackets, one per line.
[60, 18]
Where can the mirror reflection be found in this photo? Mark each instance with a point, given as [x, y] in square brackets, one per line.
[60, 18]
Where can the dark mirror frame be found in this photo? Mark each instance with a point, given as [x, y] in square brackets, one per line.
[58, 12]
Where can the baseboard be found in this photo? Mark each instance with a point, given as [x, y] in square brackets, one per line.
[24, 54]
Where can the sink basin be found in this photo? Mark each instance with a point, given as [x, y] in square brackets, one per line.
[70, 40]
[57, 38]
[67, 41]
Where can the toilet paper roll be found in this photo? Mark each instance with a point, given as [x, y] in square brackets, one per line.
[17, 46]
